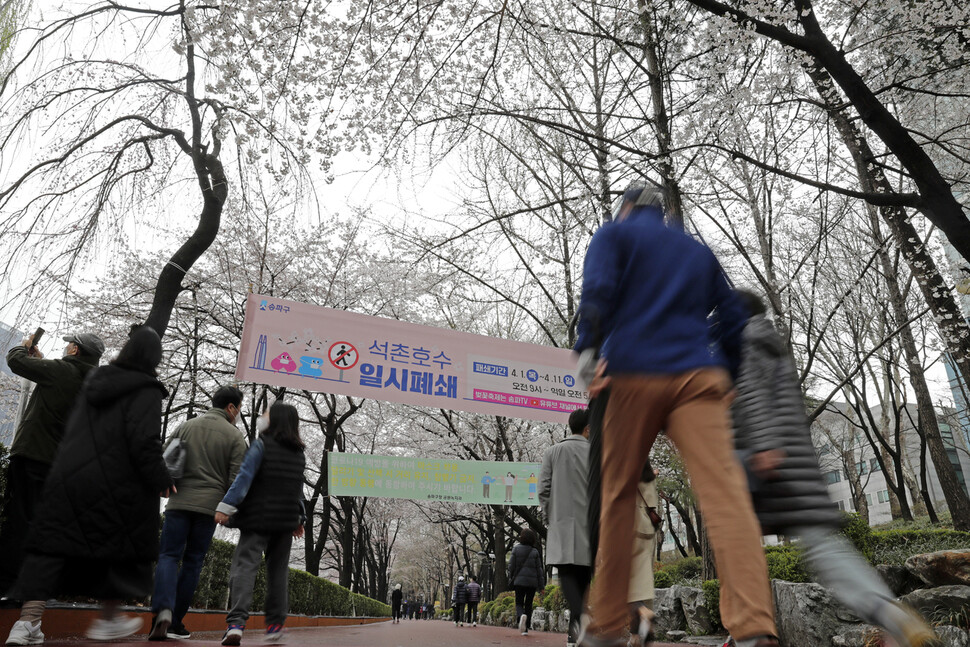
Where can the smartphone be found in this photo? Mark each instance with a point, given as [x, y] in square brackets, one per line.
[37, 335]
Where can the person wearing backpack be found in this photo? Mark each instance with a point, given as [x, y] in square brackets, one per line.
[266, 503]
[526, 576]
[772, 436]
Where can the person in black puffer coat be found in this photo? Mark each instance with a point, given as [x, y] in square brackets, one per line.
[773, 439]
[526, 576]
[266, 504]
[459, 598]
[96, 529]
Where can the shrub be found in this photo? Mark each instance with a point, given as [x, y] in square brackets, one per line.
[553, 600]
[677, 572]
[858, 532]
[712, 595]
[486, 609]
[308, 594]
[895, 546]
[662, 579]
[785, 563]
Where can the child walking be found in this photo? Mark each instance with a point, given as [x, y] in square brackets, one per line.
[266, 503]
[773, 438]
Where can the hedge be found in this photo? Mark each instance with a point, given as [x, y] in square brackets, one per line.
[308, 594]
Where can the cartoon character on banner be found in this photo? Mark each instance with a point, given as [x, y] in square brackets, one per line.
[283, 362]
[311, 366]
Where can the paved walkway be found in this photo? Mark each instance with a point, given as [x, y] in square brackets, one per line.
[409, 633]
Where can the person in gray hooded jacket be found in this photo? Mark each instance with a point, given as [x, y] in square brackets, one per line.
[773, 439]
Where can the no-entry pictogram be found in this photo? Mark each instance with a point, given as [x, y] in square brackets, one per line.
[343, 355]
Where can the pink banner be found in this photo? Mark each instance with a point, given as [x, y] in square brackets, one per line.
[301, 346]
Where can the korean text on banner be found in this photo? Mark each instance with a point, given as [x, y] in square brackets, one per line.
[394, 477]
[301, 346]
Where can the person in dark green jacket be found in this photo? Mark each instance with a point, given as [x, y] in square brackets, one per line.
[214, 450]
[39, 432]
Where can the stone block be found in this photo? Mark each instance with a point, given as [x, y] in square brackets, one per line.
[669, 615]
[941, 568]
[807, 615]
[694, 605]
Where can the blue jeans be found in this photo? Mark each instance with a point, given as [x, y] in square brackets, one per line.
[185, 538]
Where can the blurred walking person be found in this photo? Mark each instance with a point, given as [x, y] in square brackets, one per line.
[526, 576]
[772, 434]
[38, 434]
[266, 503]
[648, 292]
[95, 533]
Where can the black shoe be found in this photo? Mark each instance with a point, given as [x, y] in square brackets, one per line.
[178, 632]
[160, 625]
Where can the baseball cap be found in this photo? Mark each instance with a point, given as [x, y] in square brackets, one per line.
[640, 194]
[90, 343]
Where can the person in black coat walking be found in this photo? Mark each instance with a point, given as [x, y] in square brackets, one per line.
[396, 598]
[772, 437]
[266, 503]
[96, 531]
[526, 576]
[459, 598]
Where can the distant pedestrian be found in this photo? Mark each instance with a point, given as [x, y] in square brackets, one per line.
[38, 435]
[95, 533]
[459, 598]
[266, 503]
[526, 576]
[474, 597]
[772, 434]
[564, 501]
[214, 450]
[649, 292]
[396, 597]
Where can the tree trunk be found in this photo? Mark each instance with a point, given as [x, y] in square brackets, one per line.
[215, 189]
[501, 581]
[709, 565]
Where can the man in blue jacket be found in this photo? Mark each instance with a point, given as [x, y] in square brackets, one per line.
[649, 292]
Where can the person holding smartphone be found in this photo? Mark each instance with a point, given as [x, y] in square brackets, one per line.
[38, 435]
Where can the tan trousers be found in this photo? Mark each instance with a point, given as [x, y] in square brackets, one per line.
[692, 409]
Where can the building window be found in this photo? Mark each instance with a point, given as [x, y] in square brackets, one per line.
[841, 505]
[883, 496]
[873, 464]
[869, 499]
[833, 477]
[860, 468]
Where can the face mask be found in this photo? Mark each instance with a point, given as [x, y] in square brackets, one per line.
[262, 423]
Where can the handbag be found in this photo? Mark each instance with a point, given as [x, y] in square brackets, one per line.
[174, 456]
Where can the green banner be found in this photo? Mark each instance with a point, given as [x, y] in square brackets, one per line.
[430, 479]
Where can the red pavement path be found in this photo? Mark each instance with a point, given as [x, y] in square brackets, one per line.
[409, 633]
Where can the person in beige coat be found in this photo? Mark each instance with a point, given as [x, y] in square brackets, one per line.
[641, 592]
[564, 500]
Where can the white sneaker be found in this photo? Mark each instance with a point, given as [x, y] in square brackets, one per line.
[475, 624]
[24, 633]
[117, 627]
[522, 620]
